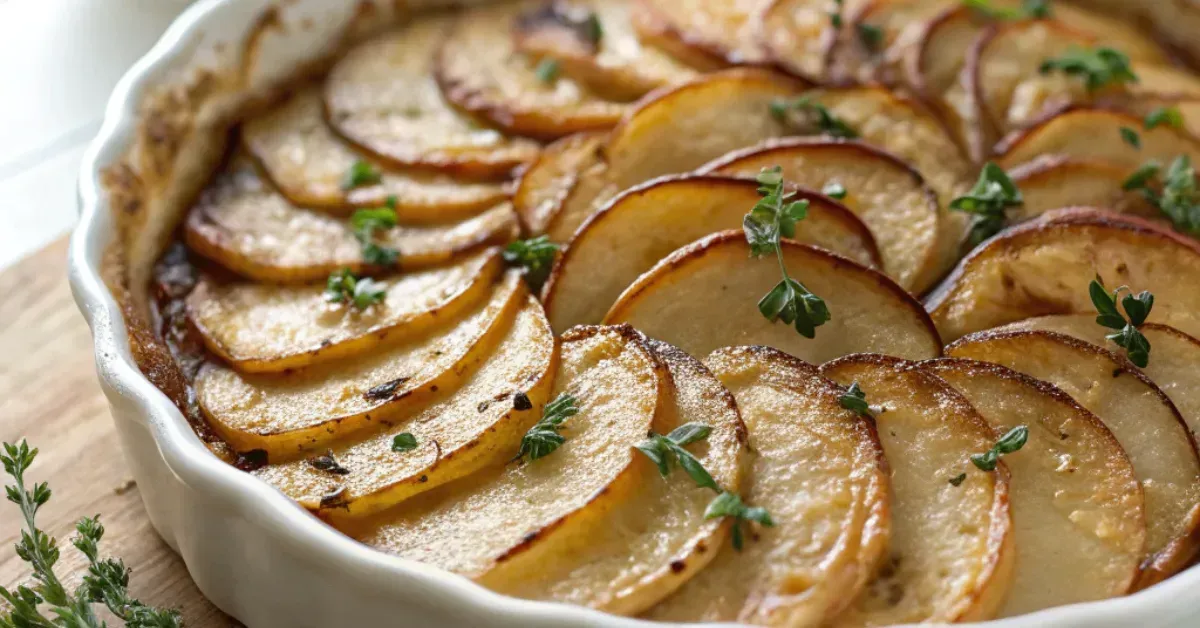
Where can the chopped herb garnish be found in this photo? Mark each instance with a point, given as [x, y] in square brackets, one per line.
[993, 193]
[366, 222]
[958, 479]
[404, 442]
[327, 463]
[361, 173]
[666, 451]
[1177, 197]
[547, 71]
[343, 287]
[1099, 67]
[106, 581]
[730, 505]
[1030, 9]
[870, 36]
[855, 400]
[1137, 308]
[816, 114]
[535, 255]
[773, 217]
[1131, 137]
[1012, 440]
[543, 438]
[833, 189]
[1169, 116]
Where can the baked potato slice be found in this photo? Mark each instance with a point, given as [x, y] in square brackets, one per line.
[382, 96]
[588, 278]
[479, 71]
[1174, 356]
[705, 296]
[1173, 22]
[890, 198]
[243, 224]
[596, 43]
[1057, 181]
[819, 470]
[895, 27]
[1095, 133]
[1136, 411]
[291, 413]
[1044, 266]
[466, 428]
[950, 555]
[270, 328]
[703, 33]
[798, 35]
[310, 165]
[527, 514]
[1079, 528]
[658, 539]
[546, 183]
[934, 68]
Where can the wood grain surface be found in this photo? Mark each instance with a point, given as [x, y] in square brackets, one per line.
[49, 394]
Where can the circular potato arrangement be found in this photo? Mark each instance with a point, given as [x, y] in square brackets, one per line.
[643, 305]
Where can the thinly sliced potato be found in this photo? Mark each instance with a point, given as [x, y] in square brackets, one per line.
[658, 539]
[899, 24]
[270, 328]
[547, 181]
[519, 516]
[1079, 525]
[950, 556]
[465, 429]
[798, 36]
[309, 165]
[1054, 182]
[1175, 22]
[595, 42]
[1095, 133]
[588, 278]
[819, 471]
[249, 228]
[1044, 266]
[935, 66]
[290, 413]
[1174, 356]
[888, 195]
[1142, 418]
[479, 71]
[704, 296]
[703, 33]
[383, 97]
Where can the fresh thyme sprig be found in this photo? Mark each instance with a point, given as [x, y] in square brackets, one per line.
[729, 504]
[855, 400]
[666, 451]
[343, 287]
[1137, 308]
[361, 173]
[1013, 440]
[993, 193]
[773, 217]
[814, 113]
[535, 255]
[543, 438]
[366, 222]
[1099, 67]
[1030, 9]
[1169, 116]
[1176, 196]
[105, 583]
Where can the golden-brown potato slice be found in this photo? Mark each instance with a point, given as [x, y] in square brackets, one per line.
[950, 555]
[1174, 356]
[1078, 514]
[889, 197]
[588, 278]
[704, 33]
[249, 228]
[286, 414]
[465, 429]
[1174, 22]
[309, 165]
[798, 36]
[1095, 133]
[1054, 182]
[269, 328]
[935, 66]
[819, 471]
[1044, 266]
[480, 72]
[595, 42]
[657, 539]
[382, 96]
[1141, 417]
[899, 24]
[704, 296]
[547, 181]
[523, 513]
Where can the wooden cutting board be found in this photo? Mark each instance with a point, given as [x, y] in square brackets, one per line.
[49, 394]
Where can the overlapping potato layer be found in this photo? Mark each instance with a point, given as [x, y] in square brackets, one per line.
[615, 414]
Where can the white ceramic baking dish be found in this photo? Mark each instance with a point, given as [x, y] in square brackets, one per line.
[253, 552]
